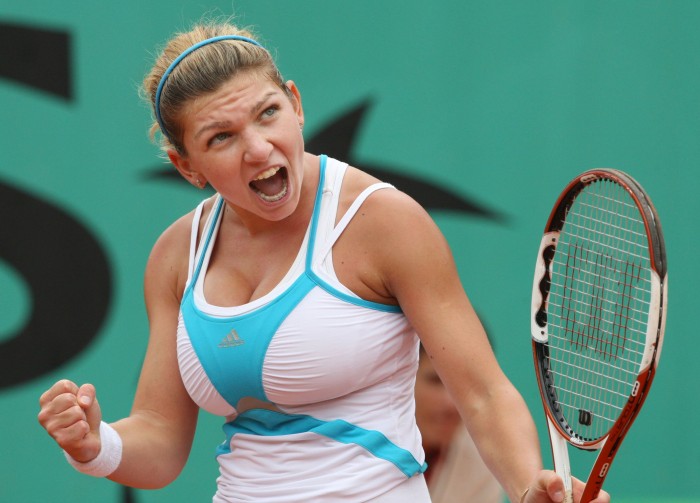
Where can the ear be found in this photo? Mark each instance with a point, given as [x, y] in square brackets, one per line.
[182, 164]
[296, 100]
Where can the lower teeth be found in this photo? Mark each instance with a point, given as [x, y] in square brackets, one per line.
[275, 197]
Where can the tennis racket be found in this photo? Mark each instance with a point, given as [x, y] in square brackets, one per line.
[598, 315]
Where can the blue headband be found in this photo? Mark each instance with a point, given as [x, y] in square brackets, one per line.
[177, 61]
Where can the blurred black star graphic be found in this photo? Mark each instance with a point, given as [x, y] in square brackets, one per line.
[337, 139]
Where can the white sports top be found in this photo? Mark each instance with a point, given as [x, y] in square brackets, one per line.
[316, 383]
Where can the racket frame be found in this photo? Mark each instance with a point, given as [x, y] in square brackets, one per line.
[560, 433]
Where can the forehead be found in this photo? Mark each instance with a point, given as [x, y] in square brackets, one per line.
[241, 95]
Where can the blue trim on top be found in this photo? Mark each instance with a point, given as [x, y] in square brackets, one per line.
[205, 246]
[376, 306]
[316, 213]
[388, 308]
[264, 422]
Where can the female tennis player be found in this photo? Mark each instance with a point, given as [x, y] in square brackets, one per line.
[291, 304]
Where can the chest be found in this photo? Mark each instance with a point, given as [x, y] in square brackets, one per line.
[242, 270]
[305, 346]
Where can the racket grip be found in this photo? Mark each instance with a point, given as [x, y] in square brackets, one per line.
[560, 457]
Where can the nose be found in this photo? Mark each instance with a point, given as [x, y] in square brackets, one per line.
[257, 147]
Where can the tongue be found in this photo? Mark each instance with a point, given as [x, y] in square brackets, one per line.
[270, 186]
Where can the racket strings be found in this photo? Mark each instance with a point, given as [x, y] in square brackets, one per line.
[612, 221]
[598, 307]
[579, 310]
[569, 377]
[598, 298]
[600, 416]
[570, 384]
[628, 363]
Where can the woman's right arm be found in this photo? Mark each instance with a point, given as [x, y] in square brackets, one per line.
[157, 435]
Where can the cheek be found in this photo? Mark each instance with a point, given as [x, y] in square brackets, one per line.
[293, 138]
[223, 167]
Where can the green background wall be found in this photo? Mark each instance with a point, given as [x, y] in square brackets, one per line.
[501, 102]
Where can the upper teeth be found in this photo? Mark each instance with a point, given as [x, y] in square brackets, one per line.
[267, 173]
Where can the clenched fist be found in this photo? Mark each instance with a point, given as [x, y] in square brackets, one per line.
[72, 416]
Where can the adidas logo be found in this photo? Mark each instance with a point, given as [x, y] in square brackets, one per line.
[231, 340]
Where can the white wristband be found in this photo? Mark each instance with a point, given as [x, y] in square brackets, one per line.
[109, 457]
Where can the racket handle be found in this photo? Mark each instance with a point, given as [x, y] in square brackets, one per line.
[560, 455]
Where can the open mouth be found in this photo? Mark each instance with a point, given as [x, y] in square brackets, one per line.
[271, 185]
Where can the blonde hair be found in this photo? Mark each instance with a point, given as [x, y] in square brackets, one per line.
[202, 71]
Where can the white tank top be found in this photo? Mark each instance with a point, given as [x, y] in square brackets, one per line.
[319, 382]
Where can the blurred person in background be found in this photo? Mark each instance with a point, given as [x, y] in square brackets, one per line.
[456, 473]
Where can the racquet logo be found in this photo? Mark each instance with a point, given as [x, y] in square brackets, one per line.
[595, 296]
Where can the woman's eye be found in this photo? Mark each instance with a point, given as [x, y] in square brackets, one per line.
[269, 112]
[218, 138]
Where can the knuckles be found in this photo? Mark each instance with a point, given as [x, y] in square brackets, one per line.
[61, 413]
[59, 388]
[73, 438]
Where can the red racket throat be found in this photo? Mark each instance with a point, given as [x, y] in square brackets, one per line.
[598, 315]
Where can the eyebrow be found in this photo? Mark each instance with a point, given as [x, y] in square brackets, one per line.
[226, 124]
[212, 125]
[256, 108]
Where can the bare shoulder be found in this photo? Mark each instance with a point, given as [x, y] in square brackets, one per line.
[391, 212]
[387, 200]
[390, 240]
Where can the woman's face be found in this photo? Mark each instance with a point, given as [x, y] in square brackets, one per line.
[436, 414]
[245, 140]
